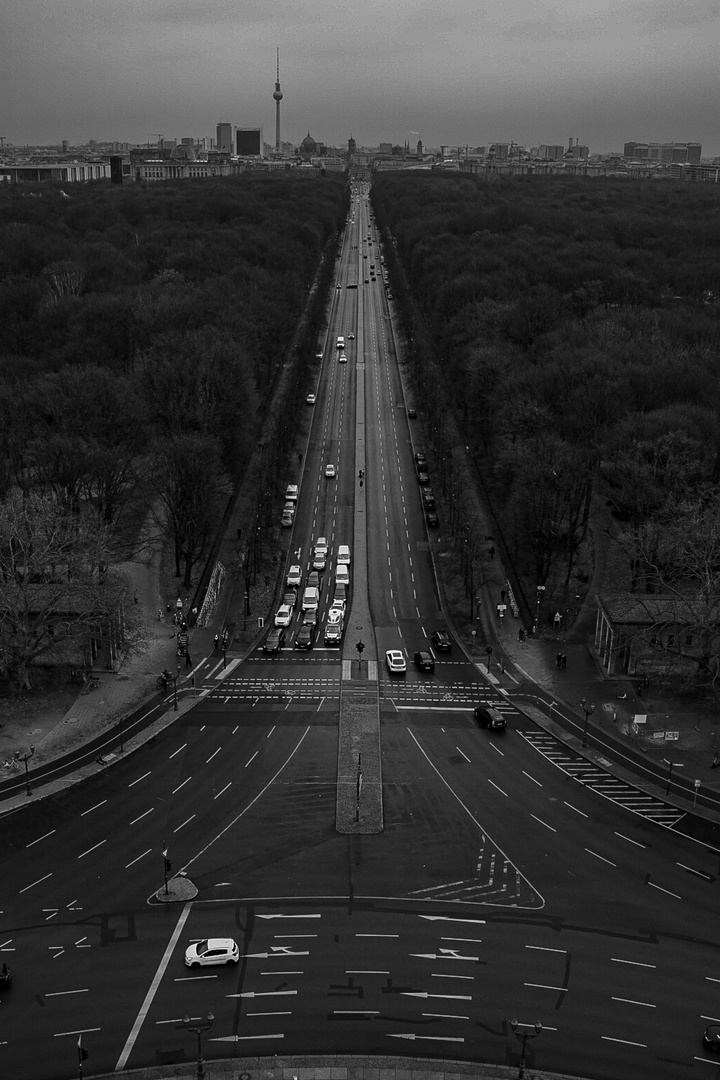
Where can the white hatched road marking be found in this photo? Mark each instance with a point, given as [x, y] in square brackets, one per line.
[604, 783]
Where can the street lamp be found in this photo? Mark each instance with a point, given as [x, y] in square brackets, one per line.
[175, 678]
[25, 758]
[588, 710]
[670, 764]
[540, 591]
[198, 1027]
[523, 1036]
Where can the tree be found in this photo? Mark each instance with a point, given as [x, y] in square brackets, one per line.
[55, 588]
[187, 475]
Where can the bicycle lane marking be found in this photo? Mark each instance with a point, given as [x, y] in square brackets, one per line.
[144, 1008]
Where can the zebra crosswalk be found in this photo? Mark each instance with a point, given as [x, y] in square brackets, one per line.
[604, 783]
[268, 689]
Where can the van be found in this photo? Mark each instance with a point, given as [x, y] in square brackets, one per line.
[342, 575]
[311, 597]
[343, 555]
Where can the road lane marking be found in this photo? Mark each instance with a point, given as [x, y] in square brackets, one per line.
[545, 948]
[215, 754]
[463, 754]
[541, 822]
[93, 848]
[446, 1016]
[223, 791]
[690, 870]
[601, 857]
[95, 807]
[143, 777]
[175, 790]
[144, 1008]
[185, 822]
[134, 822]
[630, 1001]
[635, 963]
[60, 993]
[575, 809]
[660, 889]
[625, 1042]
[34, 883]
[497, 788]
[33, 842]
[532, 778]
[145, 852]
[542, 986]
[635, 842]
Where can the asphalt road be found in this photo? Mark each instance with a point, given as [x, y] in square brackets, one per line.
[510, 879]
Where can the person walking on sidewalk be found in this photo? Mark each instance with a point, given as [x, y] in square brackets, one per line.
[558, 661]
[216, 642]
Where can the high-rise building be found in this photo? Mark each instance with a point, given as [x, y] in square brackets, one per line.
[665, 153]
[278, 95]
[250, 142]
[225, 136]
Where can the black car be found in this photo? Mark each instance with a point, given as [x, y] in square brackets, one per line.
[305, 637]
[412, 414]
[314, 580]
[423, 477]
[441, 640]
[4, 976]
[275, 640]
[420, 459]
[490, 718]
[424, 661]
[432, 519]
[428, 498]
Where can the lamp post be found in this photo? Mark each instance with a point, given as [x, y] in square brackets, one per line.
[540, 591]
[523, 1037]
[670, 764]
[25, 758]
[588, 710]
[198, 1027]
[175, 678]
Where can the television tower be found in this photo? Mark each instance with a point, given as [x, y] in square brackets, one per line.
[278, 95]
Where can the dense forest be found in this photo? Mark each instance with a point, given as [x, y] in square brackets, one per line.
[573, 327]
[144, 330]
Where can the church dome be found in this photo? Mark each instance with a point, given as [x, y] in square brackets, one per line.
[183, 152]
[308, 145]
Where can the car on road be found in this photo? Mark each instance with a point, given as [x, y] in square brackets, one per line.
[287, 519]
[343, 555]
[310, 617]
[290, 597]
[294, 576]
[351, 337]
[338, 604]
[319, 560]
[321, 544]
[432, 519]
[310, 399]
[330, 472]
[314, 579]
[342, 575]
[340, 343]
[441, 640]
[395, 661]
[342, 358]
[212, 951]
[424, 661]
[334, 615]
[490, 718]
[275, 640]
[305, 636]
[341, 590]
[283, 616]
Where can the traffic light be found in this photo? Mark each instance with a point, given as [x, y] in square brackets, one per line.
[488, 650]
[83, 1054]
[168, 866]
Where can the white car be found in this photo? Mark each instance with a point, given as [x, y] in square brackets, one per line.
[337, 605]
[330, 472]
[284, 615]
[310, 399]
[221, 950]
[321, 544]
[294, 576]
[395, 661]
[334, 616]
[318, 356]
[342, 358]
[351, 337]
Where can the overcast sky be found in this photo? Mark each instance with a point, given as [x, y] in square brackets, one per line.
[452, 71]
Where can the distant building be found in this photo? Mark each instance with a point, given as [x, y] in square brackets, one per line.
[250, 142]
[225, 139]
[385, 148]
[554, 152]
[687, 153]
[67, 171]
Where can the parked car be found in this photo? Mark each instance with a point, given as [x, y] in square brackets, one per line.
[424, 661]
[441, 640]
[305, 636]
[412, 413]
[490, 718]
[291, 493]
[294, 576]
[423, 477]
[432, 519]
[212, 951]
[283, 616]
[428, 498]
[395, 661]
[310, 399]
[275, 640]
[287, 519]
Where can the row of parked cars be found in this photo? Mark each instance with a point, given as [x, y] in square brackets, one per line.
[426, 492]
[291, 498]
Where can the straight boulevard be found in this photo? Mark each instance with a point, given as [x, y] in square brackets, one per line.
[502, 884]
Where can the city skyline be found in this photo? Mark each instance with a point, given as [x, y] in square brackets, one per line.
[513, 71]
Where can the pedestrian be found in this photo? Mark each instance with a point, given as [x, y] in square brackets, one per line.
[558, 661]
[715, 762]
[188, 661]
[614, 716]
[557, 620]
[216, 642]
[492, 552]
[160, 614]
[521, 633]
[135, 598]
[563, 663]
[299, 459]
[503, 594]
[361, 483]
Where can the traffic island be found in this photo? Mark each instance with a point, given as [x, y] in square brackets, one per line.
[177, 889]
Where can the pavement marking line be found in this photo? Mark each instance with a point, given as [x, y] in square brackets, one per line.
[541, 822]
[93, 848]
[152, 990]
[95, 807]
[146, 852]
[635, 842]
[143, 777]
[660, 889]
[446, 1016]
[601, 857]
[497, 788]
[543, 986]
[575, 809]
[135, 820]
[635, 963]
[252, 802]
[690, 870]
[32, 842]
[60, 993]
[630, 1001]
[532, 778]
[545, 948]
[625, 1042]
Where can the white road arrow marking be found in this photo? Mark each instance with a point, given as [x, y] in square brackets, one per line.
[288, 916]
[444, 954]
[242, 1038]
[262, 993]
[449, 918]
